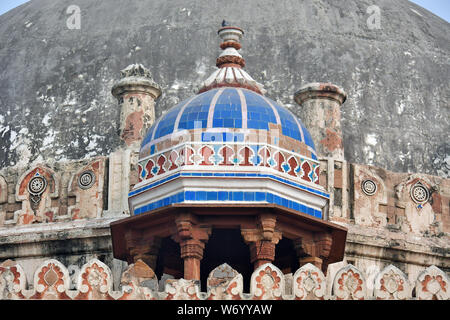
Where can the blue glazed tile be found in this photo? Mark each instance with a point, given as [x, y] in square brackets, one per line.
[227, 136]
[284, 202]
[222, 195]
[180, 197]
[218, 123]
[296, 206]
[228, 123]
[211, 195]
[303, 208]
[225, 114]
[236, 114]
[197, 174]
[182, 125]
[290, 204]
[200, 195]
[238, 196]
[249, 196]
[269, 197]
[190, 195]
[252, 124]
[202, 115]
[260, 196]
[277, 199]
[317, 214]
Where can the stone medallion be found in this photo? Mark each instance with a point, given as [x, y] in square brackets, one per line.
[36, 186]
[369, 187]
[419, 193]
[86, 179]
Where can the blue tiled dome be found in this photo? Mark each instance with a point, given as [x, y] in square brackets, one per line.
[236, 108]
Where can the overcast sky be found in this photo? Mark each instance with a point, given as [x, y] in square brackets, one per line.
[440, 8]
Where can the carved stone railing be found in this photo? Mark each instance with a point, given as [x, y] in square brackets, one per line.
[138, 282]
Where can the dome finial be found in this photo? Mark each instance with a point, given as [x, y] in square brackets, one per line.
[231, 63]
[231, 37]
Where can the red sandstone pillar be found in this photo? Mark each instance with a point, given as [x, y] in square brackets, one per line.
[321, 104]
[192, 255]
[262, 252]
[192, 239]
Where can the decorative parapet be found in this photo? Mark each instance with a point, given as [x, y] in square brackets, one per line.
[139, 282]
[215, 155]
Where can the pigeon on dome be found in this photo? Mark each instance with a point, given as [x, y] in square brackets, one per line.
[230, 63]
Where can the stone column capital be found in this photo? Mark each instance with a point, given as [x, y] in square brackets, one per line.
[136, 79]
[319, 90]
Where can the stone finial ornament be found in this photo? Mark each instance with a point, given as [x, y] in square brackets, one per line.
[231, 64]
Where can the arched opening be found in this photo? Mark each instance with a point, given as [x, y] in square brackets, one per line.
[226, 246]
[285, 256]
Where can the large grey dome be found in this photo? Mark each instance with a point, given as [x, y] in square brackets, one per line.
[55, 83]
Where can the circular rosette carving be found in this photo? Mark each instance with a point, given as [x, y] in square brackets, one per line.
[309, 283]
[420, 193]
[349, 284]
[37, 185]
[86, 179]
[369, 187]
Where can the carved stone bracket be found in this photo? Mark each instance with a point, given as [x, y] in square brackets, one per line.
[192, 238]
[262, 240]
[315, 249]
[143, 247]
